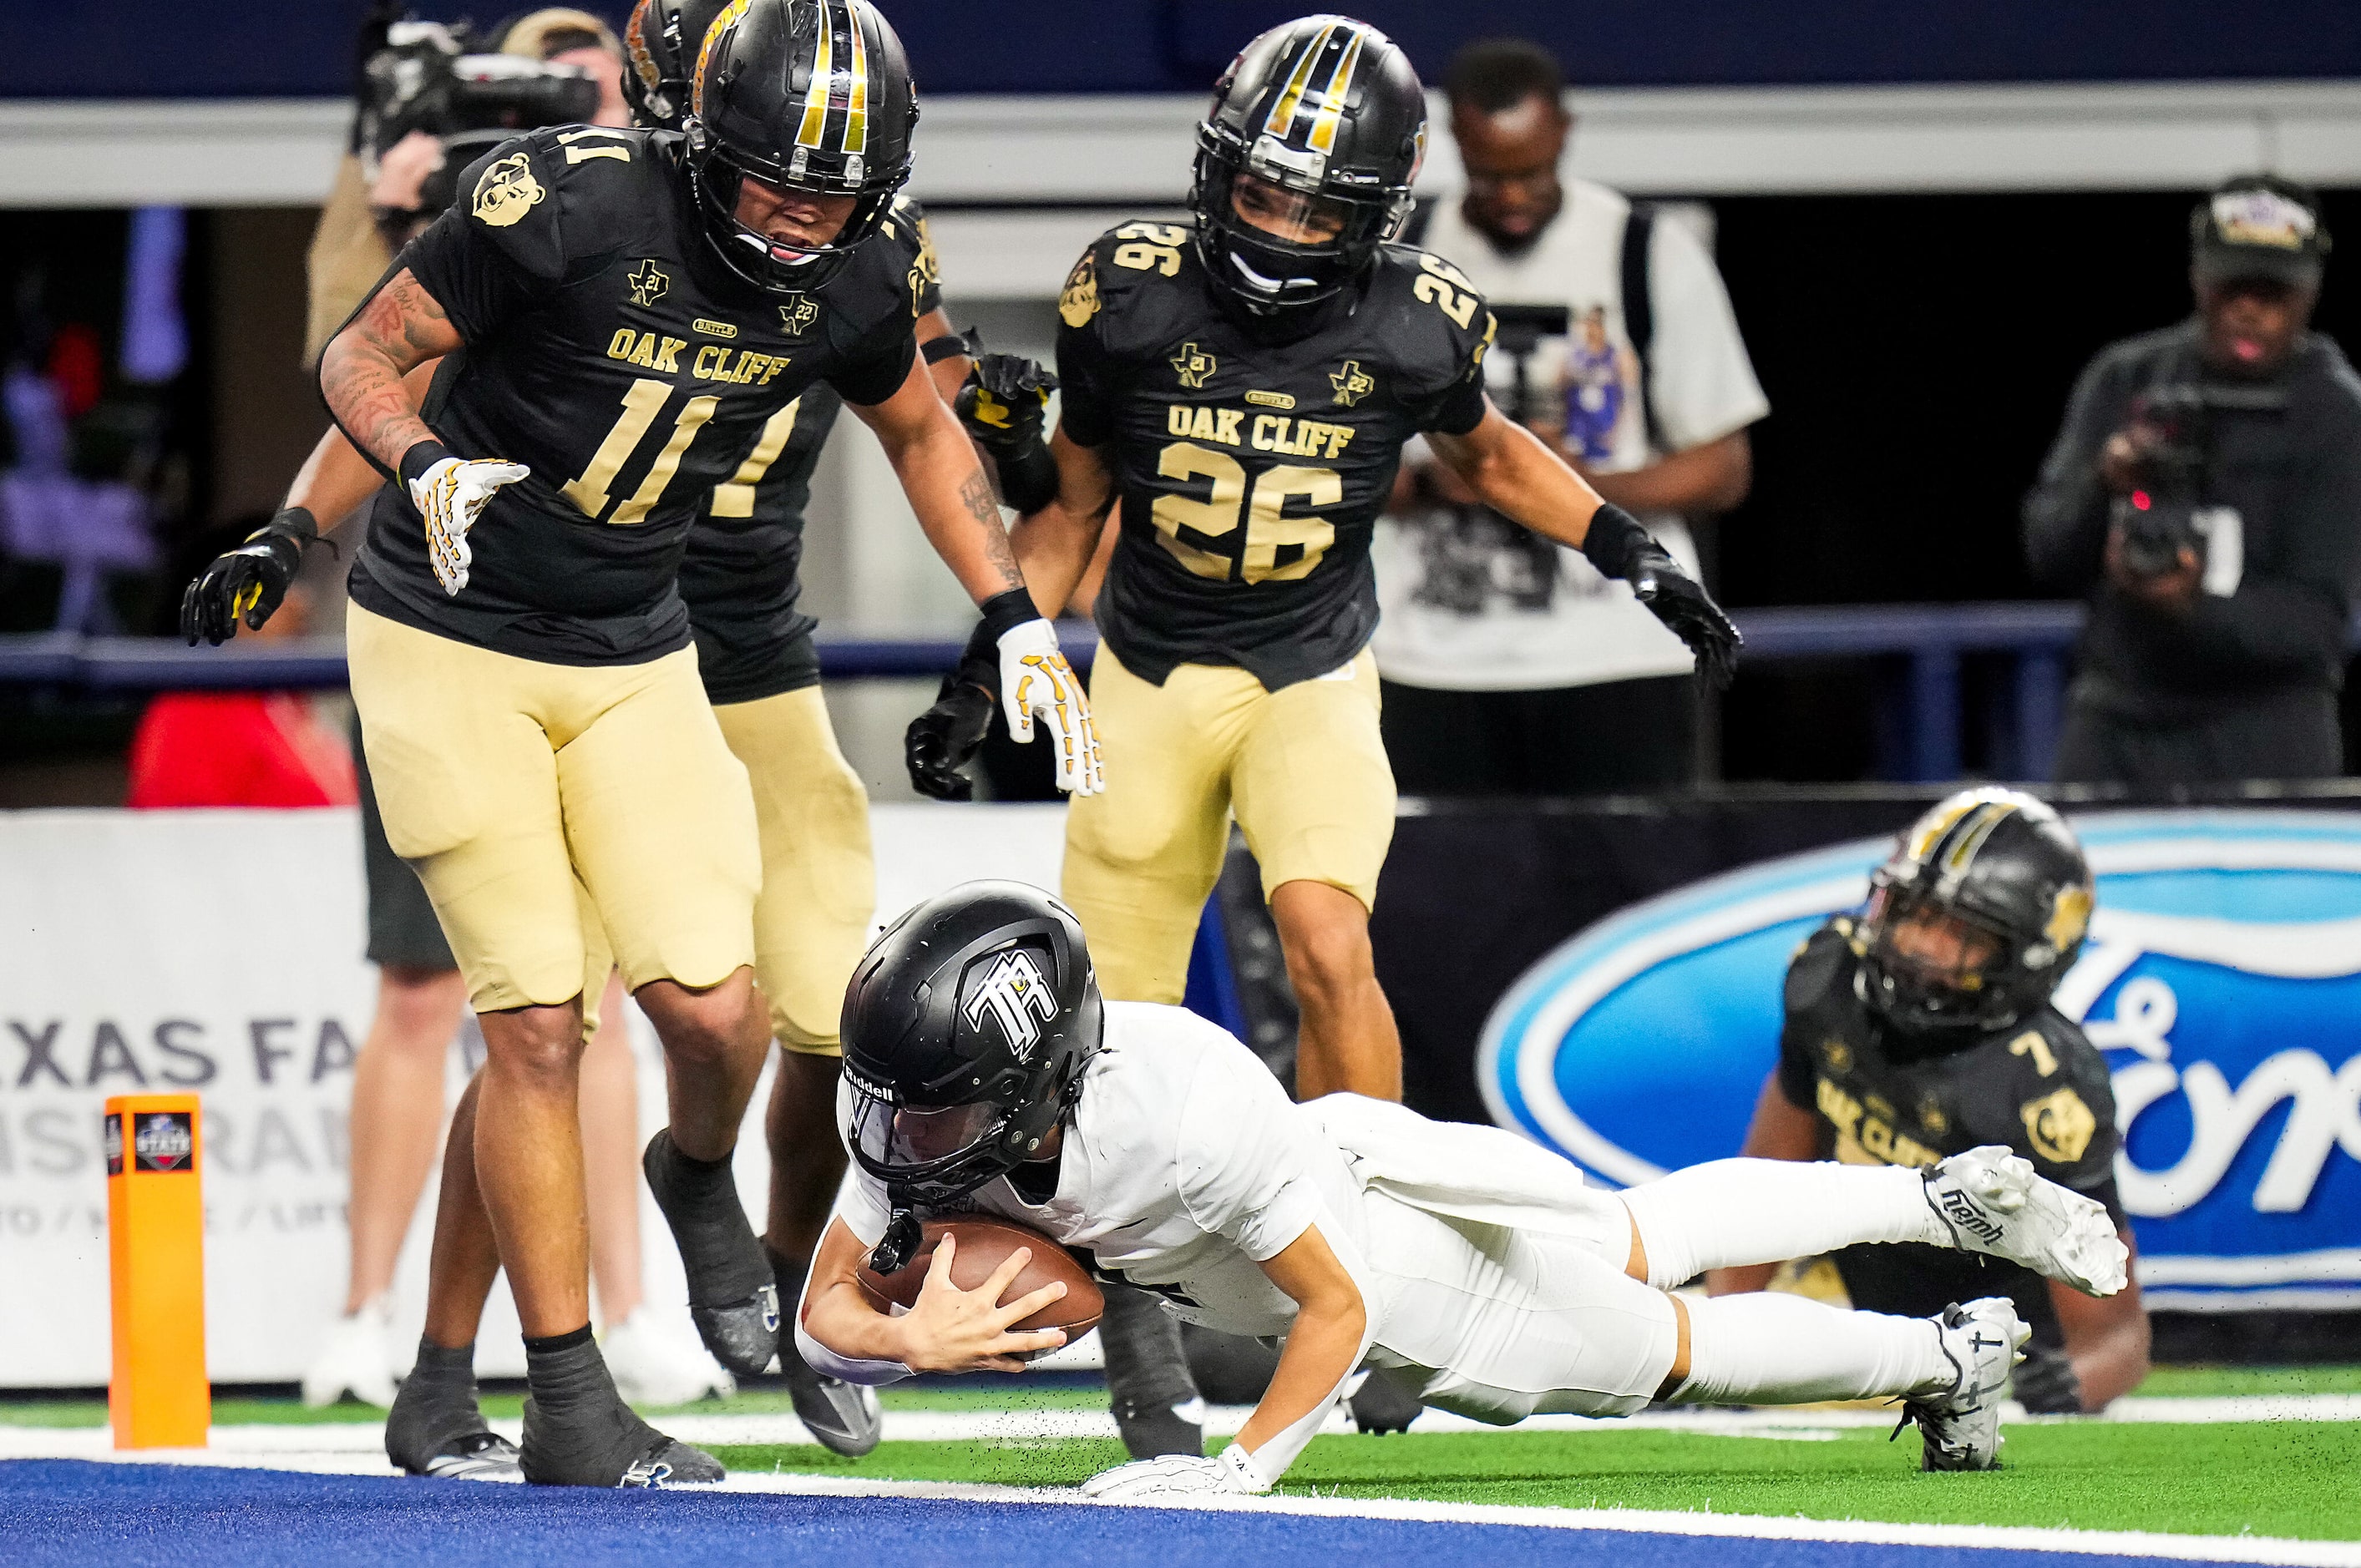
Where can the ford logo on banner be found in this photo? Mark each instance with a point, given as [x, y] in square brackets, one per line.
[2222, 978]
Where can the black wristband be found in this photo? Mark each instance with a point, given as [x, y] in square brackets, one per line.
[1003, 611]
[1614, 536]
[950, 345]
[421, 456]
[292, 522]
[1028, 476]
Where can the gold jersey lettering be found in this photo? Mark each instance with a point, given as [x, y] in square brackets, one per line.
[668, 355]
[702, 366]
[620, 345]
[646, 352]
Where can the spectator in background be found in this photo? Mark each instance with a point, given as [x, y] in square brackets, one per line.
[2205, 491]
[248, 748]
[1510, 666]
[367, 214]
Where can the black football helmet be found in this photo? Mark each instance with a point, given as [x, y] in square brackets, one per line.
[1317, 127]
[660, 45]
[1977, 915]
[966, 1029]
[807, 95]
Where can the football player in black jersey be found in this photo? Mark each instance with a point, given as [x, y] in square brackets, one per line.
[637, 309]
[1923, 1029]
[1241, 387]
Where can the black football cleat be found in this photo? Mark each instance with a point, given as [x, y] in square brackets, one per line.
[843, 1415]
[436, 1427]
[731, 1296]
[1379, 1405]
[1156, 1407]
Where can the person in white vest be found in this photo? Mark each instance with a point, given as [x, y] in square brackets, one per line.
[1510, 666]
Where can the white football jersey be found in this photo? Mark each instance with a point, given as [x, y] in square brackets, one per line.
[1184, 1168]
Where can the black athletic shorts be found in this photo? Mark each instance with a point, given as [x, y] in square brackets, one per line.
[401, 925]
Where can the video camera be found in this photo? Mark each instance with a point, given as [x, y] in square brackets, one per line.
[434, 78]
[1520, 331]
[2172, 424]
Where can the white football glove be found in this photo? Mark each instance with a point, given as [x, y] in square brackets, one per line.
[450, 496]
[1233, 1474]
[1036, 681]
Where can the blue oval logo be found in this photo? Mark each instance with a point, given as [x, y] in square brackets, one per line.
[2222, 978]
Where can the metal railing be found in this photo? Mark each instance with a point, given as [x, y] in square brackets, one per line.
[1932, 640]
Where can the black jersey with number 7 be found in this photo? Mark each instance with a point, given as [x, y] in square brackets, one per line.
[1253, 463]
[643, 385]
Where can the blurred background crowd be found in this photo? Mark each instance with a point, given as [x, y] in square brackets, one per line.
[2072, 344]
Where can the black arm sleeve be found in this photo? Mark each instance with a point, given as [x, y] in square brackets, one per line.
[878, 365]
[1028, 479]
[1085, 369]
[2065, 513]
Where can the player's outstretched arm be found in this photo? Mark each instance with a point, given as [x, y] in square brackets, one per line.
[1518, 476]
[249, 582]
[1331, 1334]
[945, 1330]
[1055, 545]
[2106, 1345]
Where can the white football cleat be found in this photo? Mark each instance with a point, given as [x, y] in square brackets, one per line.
[1961, 1427]
[354, 1360]
[656, 1370]
[1992, 1201]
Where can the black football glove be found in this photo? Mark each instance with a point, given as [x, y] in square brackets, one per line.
[2045, 1383]
[1002, 407]
[1003, 402]
[249, 582]
[946, 737]
[1681, 602]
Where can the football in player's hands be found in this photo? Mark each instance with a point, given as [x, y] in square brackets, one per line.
[981, 1246]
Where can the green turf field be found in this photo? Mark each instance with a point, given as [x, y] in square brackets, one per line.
[2286, 1479]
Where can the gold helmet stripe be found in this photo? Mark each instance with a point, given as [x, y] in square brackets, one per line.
[1282, 123]
[823, 72]
[856, 111]
[729, 17]
[1332, 105]
[1968, 838]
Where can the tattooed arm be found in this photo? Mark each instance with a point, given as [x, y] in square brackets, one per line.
[362, 369]
[945, 483]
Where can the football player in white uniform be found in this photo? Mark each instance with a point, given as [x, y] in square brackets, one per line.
[984, 1073]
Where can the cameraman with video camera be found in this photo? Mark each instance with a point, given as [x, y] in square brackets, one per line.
[431, 98]
[2207, 485]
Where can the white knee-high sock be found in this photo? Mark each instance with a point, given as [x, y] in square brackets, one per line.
[1731, 1211]
[1770, 1348]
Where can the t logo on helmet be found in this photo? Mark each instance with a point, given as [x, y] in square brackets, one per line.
[1012, 991]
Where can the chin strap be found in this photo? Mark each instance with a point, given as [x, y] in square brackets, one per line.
[902, 1236]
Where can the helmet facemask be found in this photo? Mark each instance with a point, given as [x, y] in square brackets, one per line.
[1276, 237]
[776, 265]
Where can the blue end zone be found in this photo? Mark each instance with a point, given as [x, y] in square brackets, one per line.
[76, 1513]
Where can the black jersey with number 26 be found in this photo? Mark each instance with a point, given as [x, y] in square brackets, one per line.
[642, 384]
[1251, 469]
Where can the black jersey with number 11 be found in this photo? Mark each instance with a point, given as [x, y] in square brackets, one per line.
[642, 384]
[1252, 467]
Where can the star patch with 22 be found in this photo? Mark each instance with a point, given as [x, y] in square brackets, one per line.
[1351, 383]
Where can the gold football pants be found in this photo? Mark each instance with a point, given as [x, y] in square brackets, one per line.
[500, 779]
[819, 878]
[1303, 768]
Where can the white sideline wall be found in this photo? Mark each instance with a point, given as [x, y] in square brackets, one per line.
[220, 951]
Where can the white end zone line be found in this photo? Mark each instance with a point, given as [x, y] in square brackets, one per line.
[2279, 1553]
[357, 1449]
